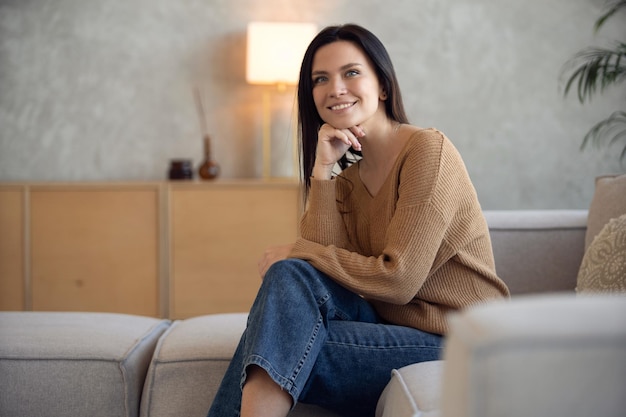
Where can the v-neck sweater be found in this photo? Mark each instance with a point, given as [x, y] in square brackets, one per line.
[418, 249]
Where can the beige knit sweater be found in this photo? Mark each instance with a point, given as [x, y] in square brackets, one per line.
[418, 249]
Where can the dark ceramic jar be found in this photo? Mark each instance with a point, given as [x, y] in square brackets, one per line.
[181, 169]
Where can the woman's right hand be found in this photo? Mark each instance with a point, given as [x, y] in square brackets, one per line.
[332, 144]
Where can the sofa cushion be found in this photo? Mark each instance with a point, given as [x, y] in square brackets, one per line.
[604, 265]
[557, 356]
[413, 391]
[74, 364]
[537, 250]
[609, 202]
[189, 364]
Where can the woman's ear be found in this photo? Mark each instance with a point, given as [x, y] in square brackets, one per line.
[383, 95]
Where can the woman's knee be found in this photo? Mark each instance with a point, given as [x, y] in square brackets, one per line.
[289, 269]
[284, 265]
[295, 275]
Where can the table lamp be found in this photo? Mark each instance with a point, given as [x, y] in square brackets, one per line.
[274, 55]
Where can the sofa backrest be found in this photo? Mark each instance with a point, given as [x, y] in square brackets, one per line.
[538, 250]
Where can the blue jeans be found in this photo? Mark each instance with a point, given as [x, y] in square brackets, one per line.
[322, 343]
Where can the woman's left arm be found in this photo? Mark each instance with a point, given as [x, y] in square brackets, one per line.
[413, 247]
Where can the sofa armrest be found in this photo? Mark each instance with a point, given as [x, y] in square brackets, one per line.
[557, 355]
[413, 390]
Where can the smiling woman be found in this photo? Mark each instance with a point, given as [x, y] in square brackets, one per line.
[367, 54]
[351, 100]
[388, 246]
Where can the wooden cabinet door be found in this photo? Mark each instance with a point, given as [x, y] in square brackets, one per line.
[95, 248]
[12, 259]
[218, 233]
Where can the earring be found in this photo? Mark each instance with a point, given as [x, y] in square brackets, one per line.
[383, 96]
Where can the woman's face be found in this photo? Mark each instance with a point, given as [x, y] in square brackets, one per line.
[346, 90]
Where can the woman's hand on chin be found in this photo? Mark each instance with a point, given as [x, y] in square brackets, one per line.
[332, 144]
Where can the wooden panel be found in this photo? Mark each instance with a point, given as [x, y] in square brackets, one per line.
[11, 248]
[95, 249]
[218, 234]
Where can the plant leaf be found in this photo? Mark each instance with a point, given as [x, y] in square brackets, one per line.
[613, 7]
[595, 67]
[610, 130]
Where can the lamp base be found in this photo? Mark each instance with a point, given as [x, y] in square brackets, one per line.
[267, 135]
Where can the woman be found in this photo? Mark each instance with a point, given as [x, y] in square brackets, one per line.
[387, 248]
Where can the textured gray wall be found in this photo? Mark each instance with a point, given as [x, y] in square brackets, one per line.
[102, 90]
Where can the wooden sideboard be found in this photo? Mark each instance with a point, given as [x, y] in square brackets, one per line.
[171, 249]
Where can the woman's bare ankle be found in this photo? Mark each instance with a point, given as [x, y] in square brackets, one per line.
[262, 397]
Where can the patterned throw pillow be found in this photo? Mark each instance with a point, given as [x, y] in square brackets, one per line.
[603, 268]
[609, 202]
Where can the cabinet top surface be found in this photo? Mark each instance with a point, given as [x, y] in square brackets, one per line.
[174, 184]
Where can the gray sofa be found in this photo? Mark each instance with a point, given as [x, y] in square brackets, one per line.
[98, 364]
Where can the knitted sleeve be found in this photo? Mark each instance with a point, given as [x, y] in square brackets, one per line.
[322, 223]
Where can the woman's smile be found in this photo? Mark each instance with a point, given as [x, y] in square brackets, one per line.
[342, 106]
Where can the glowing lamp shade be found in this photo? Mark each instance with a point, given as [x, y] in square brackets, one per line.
[275, 51]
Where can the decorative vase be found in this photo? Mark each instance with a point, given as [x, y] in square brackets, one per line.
[209, 169]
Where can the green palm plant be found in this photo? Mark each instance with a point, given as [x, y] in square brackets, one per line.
[596, 69]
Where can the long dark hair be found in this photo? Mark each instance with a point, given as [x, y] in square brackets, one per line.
[309, 119]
